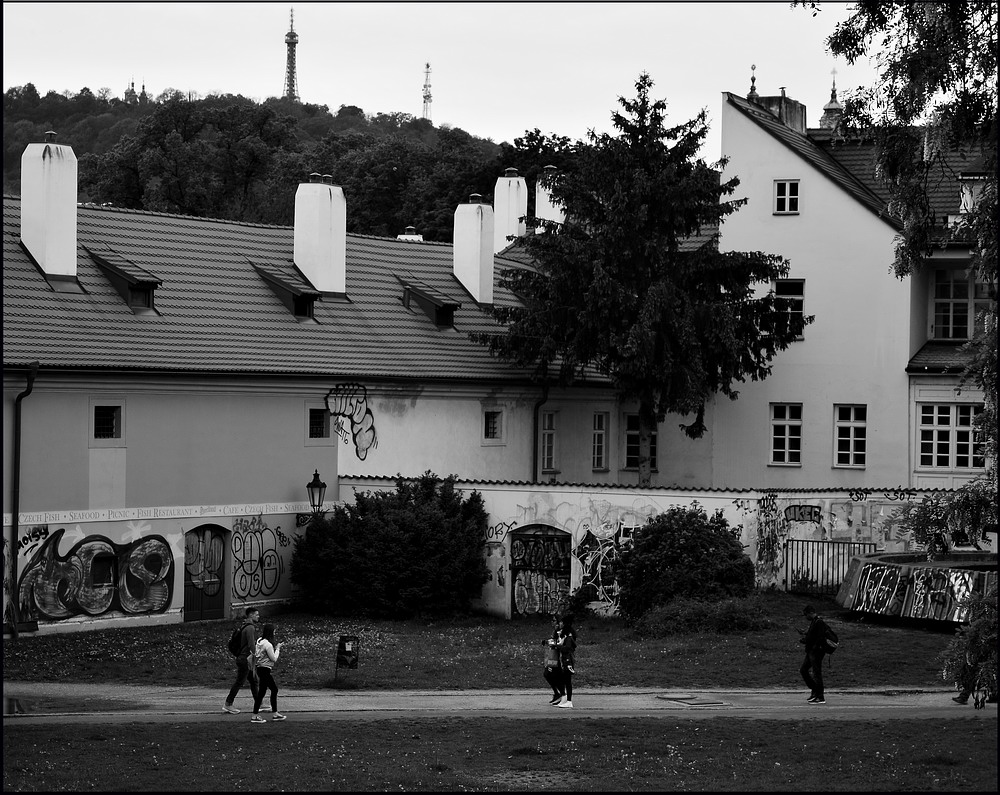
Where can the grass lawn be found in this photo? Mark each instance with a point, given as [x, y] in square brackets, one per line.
[476, 653]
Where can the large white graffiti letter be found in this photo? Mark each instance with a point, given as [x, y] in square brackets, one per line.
[351, 401]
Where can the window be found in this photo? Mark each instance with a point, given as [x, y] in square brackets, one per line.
[107, 422]
[794, 293]
[959, 300]
[548, 441]
[492, 426]
[302, 306]
[786, 197]
[140, 297]
[850, 425]
[319, 424]
[599, 448]
[632, 443]
[786, 434]
[947, 439]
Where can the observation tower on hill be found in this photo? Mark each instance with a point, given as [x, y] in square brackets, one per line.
[291, 81]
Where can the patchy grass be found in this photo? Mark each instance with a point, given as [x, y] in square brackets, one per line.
[503, 755]
[478, 652]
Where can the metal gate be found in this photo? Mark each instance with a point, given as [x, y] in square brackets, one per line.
[819, 567]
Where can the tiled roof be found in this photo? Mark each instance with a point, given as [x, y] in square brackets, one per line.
[819, 157]
[940, 357]
[215, 312]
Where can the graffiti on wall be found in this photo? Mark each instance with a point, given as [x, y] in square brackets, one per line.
[351, 401]
[598, 552]
[8, 612]
[914, 591]
[539, 568]
[204, 553]
[257, 564]
[96, 576]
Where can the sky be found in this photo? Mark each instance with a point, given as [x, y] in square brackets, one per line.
[497, 69]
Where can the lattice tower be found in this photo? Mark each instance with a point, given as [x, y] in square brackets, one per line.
[427, 93]
[291, 81]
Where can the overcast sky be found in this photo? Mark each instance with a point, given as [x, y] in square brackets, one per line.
[497, 69]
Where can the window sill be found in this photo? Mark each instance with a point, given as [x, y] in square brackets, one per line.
[785, 213]
[785, 465]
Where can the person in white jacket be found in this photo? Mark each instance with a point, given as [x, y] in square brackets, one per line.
[266, 654]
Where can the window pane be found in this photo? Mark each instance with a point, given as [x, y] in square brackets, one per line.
[107, 422]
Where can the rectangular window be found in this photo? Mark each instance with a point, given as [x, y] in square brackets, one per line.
[107, 422]
[493, 425]
[850, 444]
[632, 443]
[947, 439]
[548, 441]
[959, 301]
[786, 434]
[794, 293]
[786, 197]
[599, 446]
[319, 424]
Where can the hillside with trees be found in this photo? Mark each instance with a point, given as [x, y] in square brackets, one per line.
[227, 156]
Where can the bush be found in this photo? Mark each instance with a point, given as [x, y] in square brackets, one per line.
[683, 553]
[683, 616]
[415, 551]
[970, 660]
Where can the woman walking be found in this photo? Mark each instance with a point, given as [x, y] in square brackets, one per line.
[266, 655]
[553, 672]
[567, 659]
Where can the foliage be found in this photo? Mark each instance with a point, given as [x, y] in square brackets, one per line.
[683, 553]
[415, 551]
[684, 616]
[633, 283]
[970, 661]
[958, 517]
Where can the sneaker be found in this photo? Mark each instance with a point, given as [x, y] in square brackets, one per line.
[257, 719]
[566, 705]
[811, 700]
[277, 716]
[961, 700]
[819, 700]
[230, 709]
[555, 702]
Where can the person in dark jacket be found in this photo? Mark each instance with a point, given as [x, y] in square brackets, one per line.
[553, 673]
[812, 666]
[244, 660]
[567, 659]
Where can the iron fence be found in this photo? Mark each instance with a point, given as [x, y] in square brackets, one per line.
[819, 567]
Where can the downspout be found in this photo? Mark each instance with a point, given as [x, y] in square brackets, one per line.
[16, 498]
[534, 432]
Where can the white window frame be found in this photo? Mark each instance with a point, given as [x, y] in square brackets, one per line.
[976, 299]
[781, 430]
[947, 429]
[549, 441]
[501, 426]
[631, 433]
[599, 441]
[798, 296]
[334, 426]
[117, 402]
[786, 198]
[850, 426]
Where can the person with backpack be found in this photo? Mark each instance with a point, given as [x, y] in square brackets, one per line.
[817, 639]
[241, 646]
[553, 671]
[266, 654]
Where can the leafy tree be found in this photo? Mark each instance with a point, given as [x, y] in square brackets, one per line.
[626, 286]
[683, 553]
[417, 550]
[970, 661]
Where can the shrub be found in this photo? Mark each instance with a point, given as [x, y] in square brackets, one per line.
[413, 551]
[683, 616]
[683, 552]
[970, 660]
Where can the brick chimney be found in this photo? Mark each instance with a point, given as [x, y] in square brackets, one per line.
[545, 208]
[473, 248]
[510, 205]
[791, 112]
[320, 237]
[48, 207]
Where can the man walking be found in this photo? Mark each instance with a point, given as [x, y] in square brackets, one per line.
[244, 660]
[812, 666]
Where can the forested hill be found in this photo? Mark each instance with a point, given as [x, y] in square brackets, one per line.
[226, 156]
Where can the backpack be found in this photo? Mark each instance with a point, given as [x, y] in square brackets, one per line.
[831, 642]
[236, 641]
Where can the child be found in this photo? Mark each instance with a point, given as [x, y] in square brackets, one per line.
[266, 655]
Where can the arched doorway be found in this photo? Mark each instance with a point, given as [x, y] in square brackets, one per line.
[539, 570]
[204, 573]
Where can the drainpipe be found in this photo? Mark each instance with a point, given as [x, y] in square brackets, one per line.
[534, 433]
[15, 608]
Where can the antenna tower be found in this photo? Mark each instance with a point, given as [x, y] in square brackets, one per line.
[427, 92]
[291, 82]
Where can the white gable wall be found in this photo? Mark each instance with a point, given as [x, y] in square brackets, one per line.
[856, 350]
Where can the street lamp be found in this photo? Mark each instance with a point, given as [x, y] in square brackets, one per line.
[317, 491]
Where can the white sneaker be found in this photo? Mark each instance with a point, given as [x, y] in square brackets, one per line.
[257, 719]
[230, 709]
[277, 716]
[566, 705]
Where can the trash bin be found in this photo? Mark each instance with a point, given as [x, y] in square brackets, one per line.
[347, 652]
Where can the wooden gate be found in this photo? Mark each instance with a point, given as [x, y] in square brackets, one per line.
[819, 567]
[204, 573]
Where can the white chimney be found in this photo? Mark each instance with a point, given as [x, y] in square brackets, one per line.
[411, 235]
[545, 208]
[320, 238]
[473, 248]
[48, 206]
[510, 205]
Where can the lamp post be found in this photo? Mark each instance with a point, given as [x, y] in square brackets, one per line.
[316, 489]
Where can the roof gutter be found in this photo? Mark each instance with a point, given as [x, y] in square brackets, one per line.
[15, 609]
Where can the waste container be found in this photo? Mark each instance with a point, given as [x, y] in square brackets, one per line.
[347, 652]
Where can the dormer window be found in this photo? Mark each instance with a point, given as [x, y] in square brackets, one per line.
[134, 283]
[302, 306]
[419, 296]
[140, 296]
[290, 286]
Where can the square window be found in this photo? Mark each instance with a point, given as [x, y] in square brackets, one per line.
[786, 197]
[319, 427]
[319, 424]
[947, 438]
[492, 426]
[107, 422]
